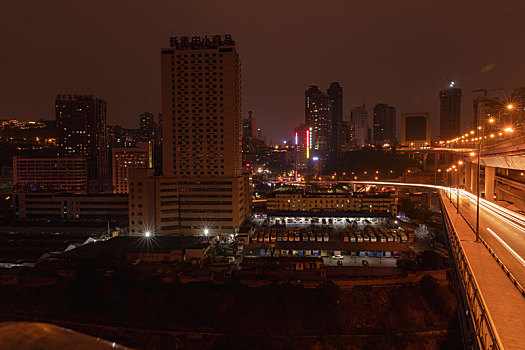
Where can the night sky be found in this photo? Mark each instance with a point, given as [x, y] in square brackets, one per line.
[397, 52]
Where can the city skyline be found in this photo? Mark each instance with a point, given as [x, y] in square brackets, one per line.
[474, 62]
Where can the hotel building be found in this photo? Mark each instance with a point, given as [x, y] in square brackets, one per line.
[202, 186]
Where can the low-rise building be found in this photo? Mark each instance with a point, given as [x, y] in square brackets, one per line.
[58, 206]
[50, 174]
[300, 201]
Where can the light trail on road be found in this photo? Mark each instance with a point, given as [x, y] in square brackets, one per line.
[509, 241]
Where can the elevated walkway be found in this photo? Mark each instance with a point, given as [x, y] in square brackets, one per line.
[496, 305]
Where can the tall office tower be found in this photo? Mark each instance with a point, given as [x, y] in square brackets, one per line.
[335, 93]
[148, 128]
[82, 132]
[126, 158]
[250, 142]
[249, 126]
[159, 127]
[157, 151]
[202, 189]
[318, 116]
[359, 118]
[449, 113]
[302, 146]
[384, 124]
[347, 136]
[415, 129]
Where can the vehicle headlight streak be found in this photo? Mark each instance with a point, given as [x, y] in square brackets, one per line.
[516, 255]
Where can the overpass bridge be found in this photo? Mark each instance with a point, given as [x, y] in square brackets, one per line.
[495, 162]
[489, 273]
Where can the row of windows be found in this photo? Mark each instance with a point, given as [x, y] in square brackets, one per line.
[196, 219]
[205, 183]
[197, 211]
[104, 209]
[166, 203]
[43, 203]
[173, 227]
[205, 196]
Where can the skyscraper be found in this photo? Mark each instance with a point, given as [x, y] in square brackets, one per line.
[202, 189]
[148, 127]
[82, 132]
[318, 116]
[449, 113]
[415, 129]
[249, 127]
[384, 124]
[335, 93]
[359, 118]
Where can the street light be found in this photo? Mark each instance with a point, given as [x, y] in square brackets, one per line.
[460, 162]
[147, 234]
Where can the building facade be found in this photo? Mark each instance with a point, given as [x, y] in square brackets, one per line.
[202, 184]
[302, 146]
[384, 124]
[359, 118]
[50, 174]
[335, 94]
[148, 127]
[126, 158]
[318, 115]
[415, 130]
[449, 113]
[59, 206]
[299, 201]
[82, 133]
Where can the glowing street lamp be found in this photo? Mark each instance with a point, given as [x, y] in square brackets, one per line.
[147, 234]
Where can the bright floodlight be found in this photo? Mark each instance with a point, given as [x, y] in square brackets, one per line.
[452, 83]
[510, 106]
[206, 231]
[147, 234]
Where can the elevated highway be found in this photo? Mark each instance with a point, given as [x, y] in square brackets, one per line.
[490, 273]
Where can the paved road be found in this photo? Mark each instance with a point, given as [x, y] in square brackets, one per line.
[502, 229]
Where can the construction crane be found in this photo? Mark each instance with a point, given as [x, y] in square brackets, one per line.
[485, 90]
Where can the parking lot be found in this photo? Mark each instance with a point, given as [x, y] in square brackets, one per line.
[340, 241]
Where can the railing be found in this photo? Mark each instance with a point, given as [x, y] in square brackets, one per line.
[515, 141]
[486, 334]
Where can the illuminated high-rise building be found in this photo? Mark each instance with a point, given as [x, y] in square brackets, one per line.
[82, 132]
[384, 124]
[302, 149]
[359, 118]
[415, 130]
[335, 93]
[202, 189]
[148, 127]
[449, 113]
[126, 158]
[318, 116]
